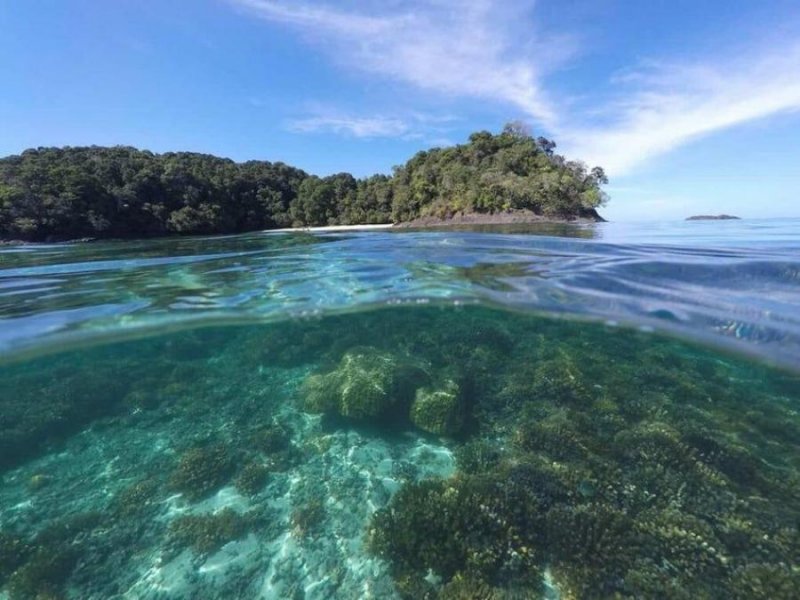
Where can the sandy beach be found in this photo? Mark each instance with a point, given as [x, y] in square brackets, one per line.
[330, 228]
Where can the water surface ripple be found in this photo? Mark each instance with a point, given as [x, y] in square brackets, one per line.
[732, 284]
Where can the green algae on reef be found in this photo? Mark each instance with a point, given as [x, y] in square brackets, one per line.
[302, 459]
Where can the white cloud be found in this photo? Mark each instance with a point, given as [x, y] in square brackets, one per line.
[480, 49]
[672, 105]
[492, 50]
[360, 127]
[411, 125]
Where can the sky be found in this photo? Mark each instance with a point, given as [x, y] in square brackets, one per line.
[691, 106]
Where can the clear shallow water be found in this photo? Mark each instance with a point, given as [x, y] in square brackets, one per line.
[455, 440]
[730, 283]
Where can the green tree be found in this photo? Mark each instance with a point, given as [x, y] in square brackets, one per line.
[61, 193]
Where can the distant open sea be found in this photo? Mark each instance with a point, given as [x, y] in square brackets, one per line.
[550, 411]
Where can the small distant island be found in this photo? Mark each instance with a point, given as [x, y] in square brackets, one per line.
[56, 194]
[712, 218]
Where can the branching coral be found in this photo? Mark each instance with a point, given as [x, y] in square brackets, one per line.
[202, 470]
[634, 481]
[591, 546]
[471, 525]
[269, 439]
[136, 498]
[252, 477]
[207, 533]
[42, 577]
[43, 565]
[776, 582]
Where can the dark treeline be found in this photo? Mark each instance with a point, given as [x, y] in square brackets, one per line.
[119, 192]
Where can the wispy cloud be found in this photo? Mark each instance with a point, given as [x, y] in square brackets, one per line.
[480, 49]
[666, 106]
[360, 127]
[410, 125]
[492, 50]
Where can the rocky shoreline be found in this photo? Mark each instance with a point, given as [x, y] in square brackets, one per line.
[29, 243]
[510, 217]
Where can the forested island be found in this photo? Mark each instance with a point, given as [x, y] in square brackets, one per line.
[49, 194]
[712, 218]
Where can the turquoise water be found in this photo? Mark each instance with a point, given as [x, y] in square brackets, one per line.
[607, 411]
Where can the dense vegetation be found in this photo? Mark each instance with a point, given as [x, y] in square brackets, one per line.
[63, 193]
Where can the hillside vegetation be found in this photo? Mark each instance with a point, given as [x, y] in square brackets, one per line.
[122, 192]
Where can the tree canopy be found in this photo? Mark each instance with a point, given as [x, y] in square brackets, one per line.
[122, 192]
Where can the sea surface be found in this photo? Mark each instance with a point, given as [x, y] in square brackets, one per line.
[552, 411]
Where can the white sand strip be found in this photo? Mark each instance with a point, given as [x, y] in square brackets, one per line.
[330, 228]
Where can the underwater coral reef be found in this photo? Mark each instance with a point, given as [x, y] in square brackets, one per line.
[411, 452]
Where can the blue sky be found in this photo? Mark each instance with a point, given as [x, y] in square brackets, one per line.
[691, 106]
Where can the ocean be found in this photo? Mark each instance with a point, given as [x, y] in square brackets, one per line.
[552, 411]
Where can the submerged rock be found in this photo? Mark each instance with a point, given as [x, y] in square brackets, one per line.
[368, 384]
[439, 411]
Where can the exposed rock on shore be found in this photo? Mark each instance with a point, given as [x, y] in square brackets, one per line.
[501, 218]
